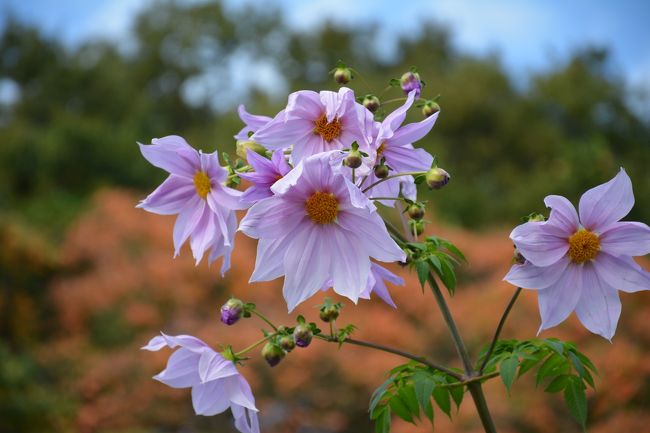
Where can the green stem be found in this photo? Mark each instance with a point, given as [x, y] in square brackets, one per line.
[499, 329]
[264, 318]
[407, 173]
[476, 390]
[420, 359]
[393, 100]
[386, 198]
[253, 346]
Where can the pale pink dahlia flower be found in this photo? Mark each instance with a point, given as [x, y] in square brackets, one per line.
[216, 384]
[578, 262]
[317, 227]
[195, 191]
[315, 123]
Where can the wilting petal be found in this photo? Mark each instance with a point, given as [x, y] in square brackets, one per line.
[306, 269]
[210, 398]
[181, 370]
[170, 197]
[559, 300]
[626, 239]
[622, 273]
[529, 276]
[599, 306]
[607, 203]
[173, 154]
[537, 243]
[563, 215]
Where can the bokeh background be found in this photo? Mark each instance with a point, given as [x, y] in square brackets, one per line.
[537, 98]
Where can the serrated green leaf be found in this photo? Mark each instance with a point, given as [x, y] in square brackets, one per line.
[576, 400]
[400, 408]
[558, 384]
[407, 394]
[448, 276]
[422, 269]
[435, 263]
[577, 364]
[557, 346]
[457, 393]
[586, 361]
[507, 371]
[553, 366]
[589, 379]
[382, 422]
[455, 251]
[441, 397]
[526, 365]
[378, 395]
[423, 389]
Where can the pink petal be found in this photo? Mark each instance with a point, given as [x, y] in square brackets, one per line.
[607, 203]
[269, 263]
[350, 263]
[213, 366]
[393, 121]
[304, 104]
[239, 392]
[405, 158]
[272, 218]
[181, 370]
[245, 419]
[599, 306]
[626, 239]
[173, 154]
[224, 197]
[202, 236]
[210, 398]
[187, 221]
[538, 244]
[370, 229]
[170, 197]
[413, 132]
[560, 299]
[563, 215]
[529, 276]
[622, 273]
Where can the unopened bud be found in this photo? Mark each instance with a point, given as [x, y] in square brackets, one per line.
[354, 159]
[287, 343]
[430, 108]
[411, 81]
[371, 102]
[244, 145]
[342, 75]
[536, 218]
[436, 178]
[302, 335]
[518, 258]
[272, 354]
[381, 171]
[416, 227]
[329, 313]
[232, 311]
[416, 211]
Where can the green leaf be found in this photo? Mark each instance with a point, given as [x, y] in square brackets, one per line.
[422, 269]
[557, 346]
[407, 394]
[441, 397]
[394, 82]
[455, 251]
[401, 409]
[507, 371]
[435, 263]
[382, 422]
[527, 365]
[457, 394]
[558, 384]
[379, 393]
[554, 365]
[576, 400]
[586, 362]
[577, 364]
[448, 276]
[423, 389]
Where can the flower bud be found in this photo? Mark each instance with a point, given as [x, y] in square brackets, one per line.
[415, 211]
[232, 311]
[272, 354]
[329, 313]
[430, 108]
[371, 102]
[381, 171]
[243, 145]
[518, 258]
[287, 343]
[342, 75]
[411, 81]
[436, 178]
[354, 159]
[536, 218]
[302, 335]
[416, 227]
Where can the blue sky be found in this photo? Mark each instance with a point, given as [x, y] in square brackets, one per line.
[528, 35]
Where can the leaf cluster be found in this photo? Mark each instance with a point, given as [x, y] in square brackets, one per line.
[560, 366]
[437, 255]
[410, 392]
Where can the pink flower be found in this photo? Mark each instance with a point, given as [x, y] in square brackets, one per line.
[393, 142]
[317, 227]
[579, 262]
[253, 122]
[315, 123]
[376, 284]
[194, 190]
[267, 172]
[216, 384]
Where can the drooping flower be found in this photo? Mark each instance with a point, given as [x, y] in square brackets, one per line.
[317, 227]
[195, 191]
[267, 172]
[315, 123]
[216, 384]
[578, 261]
[393, 142]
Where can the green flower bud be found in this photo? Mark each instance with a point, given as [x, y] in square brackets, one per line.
[381, 171]
[272, 354]
[416, 227]
[243, 145]
[430, 108]
[415, 211]
[371, 102]
[287, 343]
[436, 178]
[302, 335]
[342, 75]
[329, 313]
[354, 159]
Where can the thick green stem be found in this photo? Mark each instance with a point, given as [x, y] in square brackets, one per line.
[253, 346]
[476, 391]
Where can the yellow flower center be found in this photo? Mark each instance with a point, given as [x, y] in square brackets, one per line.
[583, 246]
[328, 130]
[202, 184]
[322, 207]
[381, 149]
